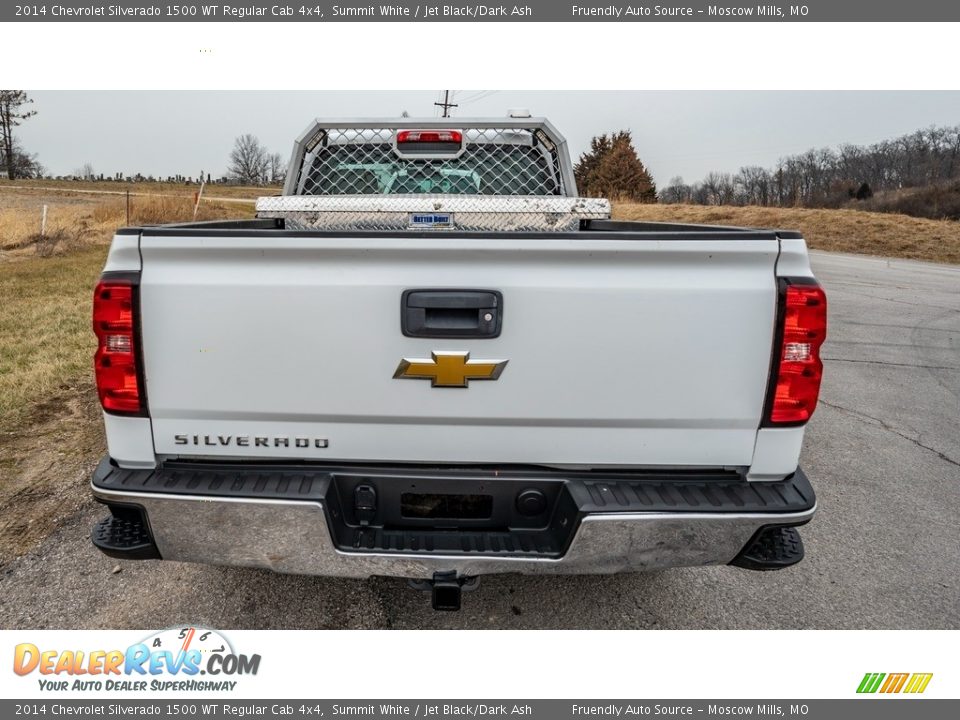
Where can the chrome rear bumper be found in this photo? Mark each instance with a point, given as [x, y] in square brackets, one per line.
[293, 536]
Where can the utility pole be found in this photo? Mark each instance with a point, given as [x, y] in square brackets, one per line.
[446, 104]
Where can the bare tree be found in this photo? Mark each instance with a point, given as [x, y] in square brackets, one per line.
[248, 161]
[753, 186]
[711, 186]
[20, 163]
[277, 169]
[825, 177]
[12, 113]
[676, 191]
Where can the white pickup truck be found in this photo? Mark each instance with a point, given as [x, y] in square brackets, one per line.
[430, 359]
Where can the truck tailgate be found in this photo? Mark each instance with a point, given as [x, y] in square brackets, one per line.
[637, 350]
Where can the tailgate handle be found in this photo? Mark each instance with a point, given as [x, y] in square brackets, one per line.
[451, 313]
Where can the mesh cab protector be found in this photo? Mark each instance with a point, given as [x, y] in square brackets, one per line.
[436, 174]
[487, 161]
[512, 156]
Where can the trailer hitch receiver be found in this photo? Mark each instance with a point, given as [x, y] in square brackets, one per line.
[446, 589]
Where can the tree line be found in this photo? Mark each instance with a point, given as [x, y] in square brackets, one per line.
[250, 163]
[917, 173]
[831, 177]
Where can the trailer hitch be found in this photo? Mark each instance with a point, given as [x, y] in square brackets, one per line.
[445, 589]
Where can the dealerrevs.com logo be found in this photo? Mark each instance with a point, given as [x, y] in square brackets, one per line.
[172, 659]
[889, 683]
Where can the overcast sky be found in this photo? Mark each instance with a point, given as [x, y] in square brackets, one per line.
[686, 133]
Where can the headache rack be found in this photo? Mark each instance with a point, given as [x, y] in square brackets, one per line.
[509, 174]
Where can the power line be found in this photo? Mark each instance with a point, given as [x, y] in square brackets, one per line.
[471, 96]
[446, 104]
[482, 95]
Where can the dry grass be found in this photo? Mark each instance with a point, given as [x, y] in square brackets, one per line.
[50, 427]
[73, 225]
[156, 210]
[46, 343]
[153, 188]
[849, 231]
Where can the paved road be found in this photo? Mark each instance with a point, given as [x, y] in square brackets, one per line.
[884, 551]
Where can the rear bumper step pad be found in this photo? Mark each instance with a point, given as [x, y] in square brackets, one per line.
[124, 534]
[611, 492]
[772, 548]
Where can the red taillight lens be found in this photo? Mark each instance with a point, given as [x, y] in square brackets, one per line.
[429, 136]
[115, 361]
[799, 370]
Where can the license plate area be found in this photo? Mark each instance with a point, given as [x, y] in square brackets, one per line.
[446, 502]
[445, 506]
[490, 513]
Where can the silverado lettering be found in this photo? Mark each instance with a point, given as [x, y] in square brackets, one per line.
[244, 441]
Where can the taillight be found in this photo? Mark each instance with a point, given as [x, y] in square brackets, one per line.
[797, 370]
[115, 362]
[429, 136]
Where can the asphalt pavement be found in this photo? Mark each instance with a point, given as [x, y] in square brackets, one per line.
[883, 452]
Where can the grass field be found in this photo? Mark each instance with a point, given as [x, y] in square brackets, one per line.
[848, 231]
[78, 219]
[46, 343]
[154, 188]
[49, 421]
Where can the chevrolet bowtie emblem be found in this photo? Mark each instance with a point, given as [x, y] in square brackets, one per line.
[450, 369]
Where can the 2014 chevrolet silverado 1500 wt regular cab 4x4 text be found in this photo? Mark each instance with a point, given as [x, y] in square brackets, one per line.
[429, 358]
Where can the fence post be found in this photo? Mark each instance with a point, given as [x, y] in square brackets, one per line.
[43, 222]
[128, 207]
[196, 203]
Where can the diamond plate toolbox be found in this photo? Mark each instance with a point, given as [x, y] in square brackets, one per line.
[481, 213]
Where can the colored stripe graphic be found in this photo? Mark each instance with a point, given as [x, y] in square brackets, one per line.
[894, 683]
[918, 682]
[870, 682]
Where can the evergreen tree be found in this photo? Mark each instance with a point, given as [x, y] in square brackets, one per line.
[588, 162]
[612, 169]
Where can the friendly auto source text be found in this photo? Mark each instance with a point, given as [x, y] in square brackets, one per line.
[627, 11]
